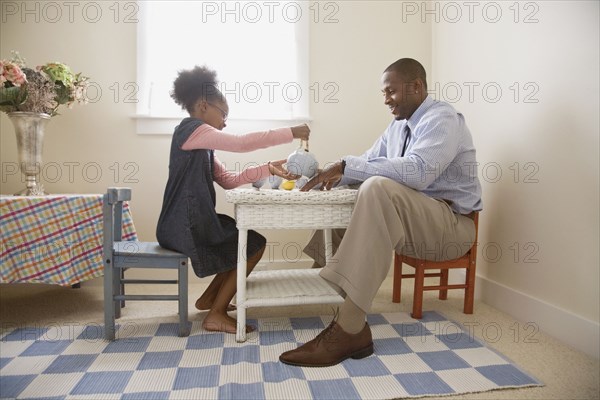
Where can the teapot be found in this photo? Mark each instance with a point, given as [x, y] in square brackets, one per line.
[273, 180]
[301, 162]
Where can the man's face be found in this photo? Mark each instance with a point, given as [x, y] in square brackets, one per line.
[400, 96]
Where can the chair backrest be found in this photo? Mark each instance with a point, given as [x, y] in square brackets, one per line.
[112, 218]
[473, 250]
[115, 194]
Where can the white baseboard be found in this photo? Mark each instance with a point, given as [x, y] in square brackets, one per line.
[571, 329]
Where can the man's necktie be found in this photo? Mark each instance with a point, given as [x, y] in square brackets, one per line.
[406, 139]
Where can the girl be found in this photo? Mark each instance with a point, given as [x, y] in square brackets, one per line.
[188, 221]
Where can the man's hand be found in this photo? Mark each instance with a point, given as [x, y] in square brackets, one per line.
[276, 168]
[328, 178]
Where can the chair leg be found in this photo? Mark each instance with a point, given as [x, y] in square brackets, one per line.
[109, 308]
[242, 265]
[417, 312]
[122, 285]
[470, 289]
[117, 290]
[443, 282]
[184, 329]
[396, 289]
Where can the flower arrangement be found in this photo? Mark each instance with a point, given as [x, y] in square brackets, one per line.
[39, 90]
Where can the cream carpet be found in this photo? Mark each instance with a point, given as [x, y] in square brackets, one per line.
[565, 372]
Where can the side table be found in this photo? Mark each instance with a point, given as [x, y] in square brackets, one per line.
[55, 239]
[280, 209]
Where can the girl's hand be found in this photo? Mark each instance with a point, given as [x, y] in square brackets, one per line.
[276, 168]
[301, 132]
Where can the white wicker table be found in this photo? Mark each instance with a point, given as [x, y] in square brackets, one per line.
[281, 209]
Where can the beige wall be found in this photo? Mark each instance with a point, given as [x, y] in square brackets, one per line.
[545, 219]
[553, 221]
[349, 53]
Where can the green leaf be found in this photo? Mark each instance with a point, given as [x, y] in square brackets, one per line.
[12, 96]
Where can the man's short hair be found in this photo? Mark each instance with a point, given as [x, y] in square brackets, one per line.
[409, 69]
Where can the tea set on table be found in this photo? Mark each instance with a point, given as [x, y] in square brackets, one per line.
[300, 162]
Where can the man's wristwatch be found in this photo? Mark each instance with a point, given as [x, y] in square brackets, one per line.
[343, 166]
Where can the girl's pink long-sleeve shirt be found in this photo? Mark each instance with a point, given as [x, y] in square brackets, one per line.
[207, 137]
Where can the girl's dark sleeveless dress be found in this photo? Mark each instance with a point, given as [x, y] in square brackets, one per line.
[188, 221]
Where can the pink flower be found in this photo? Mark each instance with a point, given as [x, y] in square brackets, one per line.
[2, 77]
[38, 90]
[12, 73]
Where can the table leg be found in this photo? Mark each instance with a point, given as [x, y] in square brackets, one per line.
[241, 286]
[328, 245]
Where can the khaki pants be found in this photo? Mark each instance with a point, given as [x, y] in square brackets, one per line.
[389, 216]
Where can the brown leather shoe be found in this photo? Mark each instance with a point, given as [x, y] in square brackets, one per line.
[331, 347]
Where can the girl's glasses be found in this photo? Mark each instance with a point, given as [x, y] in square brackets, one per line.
[223, 113]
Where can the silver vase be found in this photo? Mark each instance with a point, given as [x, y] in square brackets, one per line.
[29, 128]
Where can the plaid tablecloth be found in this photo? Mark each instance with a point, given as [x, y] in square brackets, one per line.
[53, 239]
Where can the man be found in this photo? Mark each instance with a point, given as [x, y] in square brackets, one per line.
[418, 195]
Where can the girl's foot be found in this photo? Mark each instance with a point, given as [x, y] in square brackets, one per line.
[204, 305]
[215, 322]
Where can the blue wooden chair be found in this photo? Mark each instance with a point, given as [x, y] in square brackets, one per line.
[119, 255]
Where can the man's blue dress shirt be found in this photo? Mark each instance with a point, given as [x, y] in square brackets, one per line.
[439, 159]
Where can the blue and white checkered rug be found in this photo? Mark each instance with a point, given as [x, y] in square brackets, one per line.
[431, 356]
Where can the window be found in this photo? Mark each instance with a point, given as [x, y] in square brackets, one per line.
[259, 50]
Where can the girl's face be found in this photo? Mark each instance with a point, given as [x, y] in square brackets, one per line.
[213, 113]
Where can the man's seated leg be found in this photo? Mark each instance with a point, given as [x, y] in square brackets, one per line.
[315, 248]
[387, 216]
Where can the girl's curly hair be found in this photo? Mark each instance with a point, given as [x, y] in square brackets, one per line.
[194, 84]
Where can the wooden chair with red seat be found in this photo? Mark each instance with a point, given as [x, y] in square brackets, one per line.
[467, 261]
